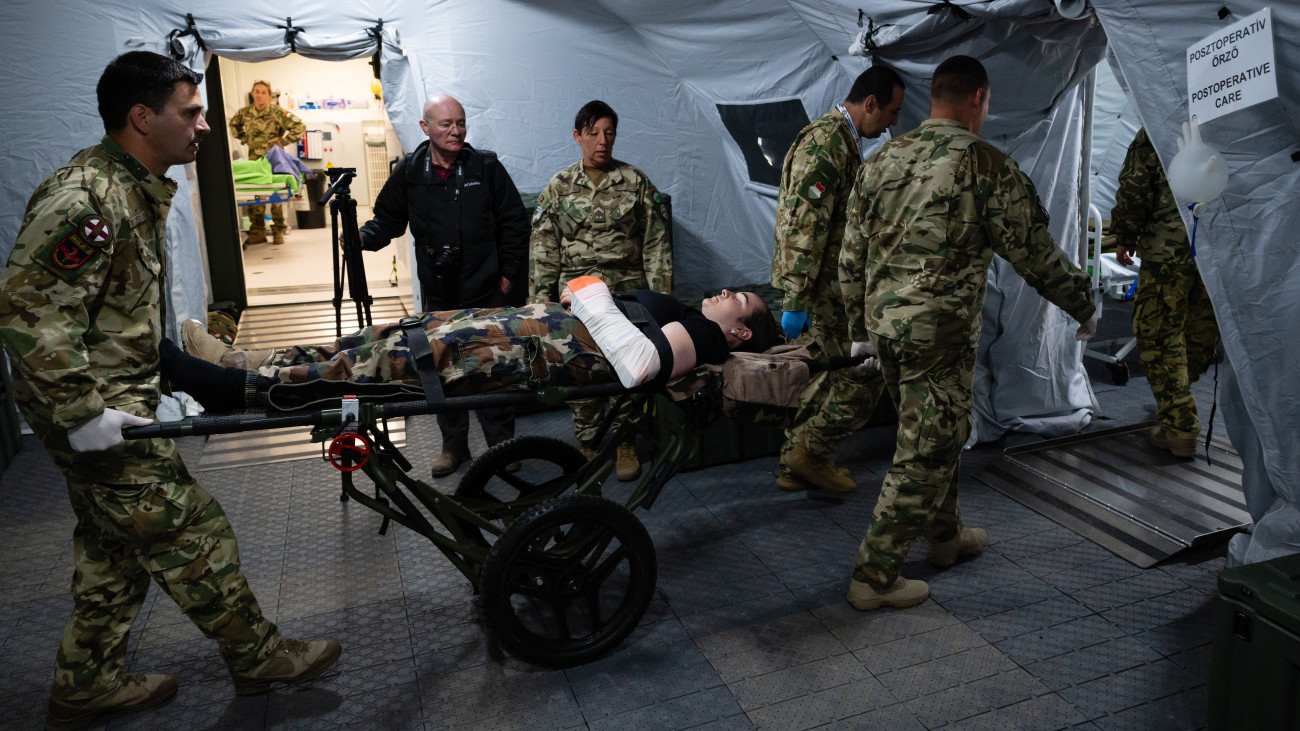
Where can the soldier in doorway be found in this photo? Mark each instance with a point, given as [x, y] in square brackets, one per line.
[263, 125]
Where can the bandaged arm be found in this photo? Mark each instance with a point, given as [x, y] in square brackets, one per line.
[633, 356]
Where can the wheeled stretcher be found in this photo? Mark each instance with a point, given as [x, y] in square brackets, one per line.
[564, 574]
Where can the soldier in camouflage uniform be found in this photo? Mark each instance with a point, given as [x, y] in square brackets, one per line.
[599, 217]
[927, 213]
[1173, 319]
[81, 318]
[815, 183]
[263, 125]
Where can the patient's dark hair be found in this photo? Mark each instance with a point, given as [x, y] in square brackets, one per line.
[763, 330]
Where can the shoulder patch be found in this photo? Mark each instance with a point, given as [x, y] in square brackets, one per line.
[66, 256]
[95, 229]
[816, 190]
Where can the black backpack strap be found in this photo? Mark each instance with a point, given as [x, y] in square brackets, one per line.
[417, 341]
[640, 316]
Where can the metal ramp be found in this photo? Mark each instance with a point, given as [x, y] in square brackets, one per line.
[1113, 488]
[309, 322]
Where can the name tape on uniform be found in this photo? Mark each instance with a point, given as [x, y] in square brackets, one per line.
[1233, 68]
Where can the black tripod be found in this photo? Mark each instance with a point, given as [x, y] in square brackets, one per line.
[347, 249]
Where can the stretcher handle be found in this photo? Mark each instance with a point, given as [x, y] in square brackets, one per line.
[817, 365]
[238, 421]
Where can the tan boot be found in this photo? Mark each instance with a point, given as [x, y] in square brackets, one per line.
[1179, 446]
[902, 593]
[294, 661]
[968, 542]
[277, 237]
[628, 466]
[133, 693]
[249, 360]
[588, 453]
[790, 483]
[819, 472]
[256, 236]
[196, 341]
[448, 461]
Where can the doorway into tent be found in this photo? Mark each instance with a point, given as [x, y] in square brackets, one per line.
[347, 126]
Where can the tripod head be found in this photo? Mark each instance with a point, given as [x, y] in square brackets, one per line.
[339, 184]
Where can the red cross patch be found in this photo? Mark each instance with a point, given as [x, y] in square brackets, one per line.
[96, 230]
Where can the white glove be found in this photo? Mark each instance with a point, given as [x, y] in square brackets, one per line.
[1088, 330]
[633, 356]
[870, 364]
[104, 431]
[863, 348]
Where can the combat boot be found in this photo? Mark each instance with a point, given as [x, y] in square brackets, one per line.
[294, 661]
[256, 236]
[790, 483]
[249, 360]
[588, 453]
[628, 466]
[1179, 446]
[901, 593]
[819, 472]
[968, 542]
[196, 341]
[133, 693]
[277, 237]
[448, 461]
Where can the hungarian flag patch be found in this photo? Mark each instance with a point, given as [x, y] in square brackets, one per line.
[815, 190]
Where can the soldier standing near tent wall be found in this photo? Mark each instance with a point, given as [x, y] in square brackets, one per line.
[815, 182]
[263, 125]
[600, 217]
[81, 317]
[927, 213]
[1173, 319]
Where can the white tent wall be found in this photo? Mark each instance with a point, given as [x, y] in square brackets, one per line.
[1246, 241]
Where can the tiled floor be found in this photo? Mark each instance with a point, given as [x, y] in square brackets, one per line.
[749, 626]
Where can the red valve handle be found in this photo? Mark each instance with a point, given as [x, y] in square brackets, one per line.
[354, 443]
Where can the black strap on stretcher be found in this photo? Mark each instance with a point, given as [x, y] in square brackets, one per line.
[417, 340]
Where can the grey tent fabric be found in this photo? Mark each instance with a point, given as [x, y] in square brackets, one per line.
[1246, 240]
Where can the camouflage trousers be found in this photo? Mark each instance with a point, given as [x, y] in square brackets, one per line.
[835, 403]
[932, 388]
[475, 351]
[172, 531]
[257, 217]
[1174, 324]
[588, 413]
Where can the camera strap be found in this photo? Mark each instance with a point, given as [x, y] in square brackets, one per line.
[417, 341]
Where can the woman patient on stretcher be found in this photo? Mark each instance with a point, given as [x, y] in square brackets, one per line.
[582, 340]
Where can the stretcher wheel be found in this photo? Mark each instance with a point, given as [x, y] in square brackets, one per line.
[1119, 373]
[568, 580]
[546, 468]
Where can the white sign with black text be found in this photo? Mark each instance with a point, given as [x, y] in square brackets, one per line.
[1233, 68]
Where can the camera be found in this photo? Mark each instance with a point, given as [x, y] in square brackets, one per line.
[444, 271]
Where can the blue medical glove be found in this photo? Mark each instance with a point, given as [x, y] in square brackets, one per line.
[794, 323]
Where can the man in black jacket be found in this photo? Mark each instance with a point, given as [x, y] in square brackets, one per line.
[471, 241]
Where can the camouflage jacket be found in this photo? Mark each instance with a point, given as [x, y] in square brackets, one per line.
[261, 130]
[81, 299]
[1146, 216]
[815, 182]
[926, 215]
[616, 231]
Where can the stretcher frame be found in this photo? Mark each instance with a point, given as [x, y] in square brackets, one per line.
[563, 573]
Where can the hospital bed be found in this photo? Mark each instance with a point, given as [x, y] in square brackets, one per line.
[563, 573]
[263, 188]
[1114, 280]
